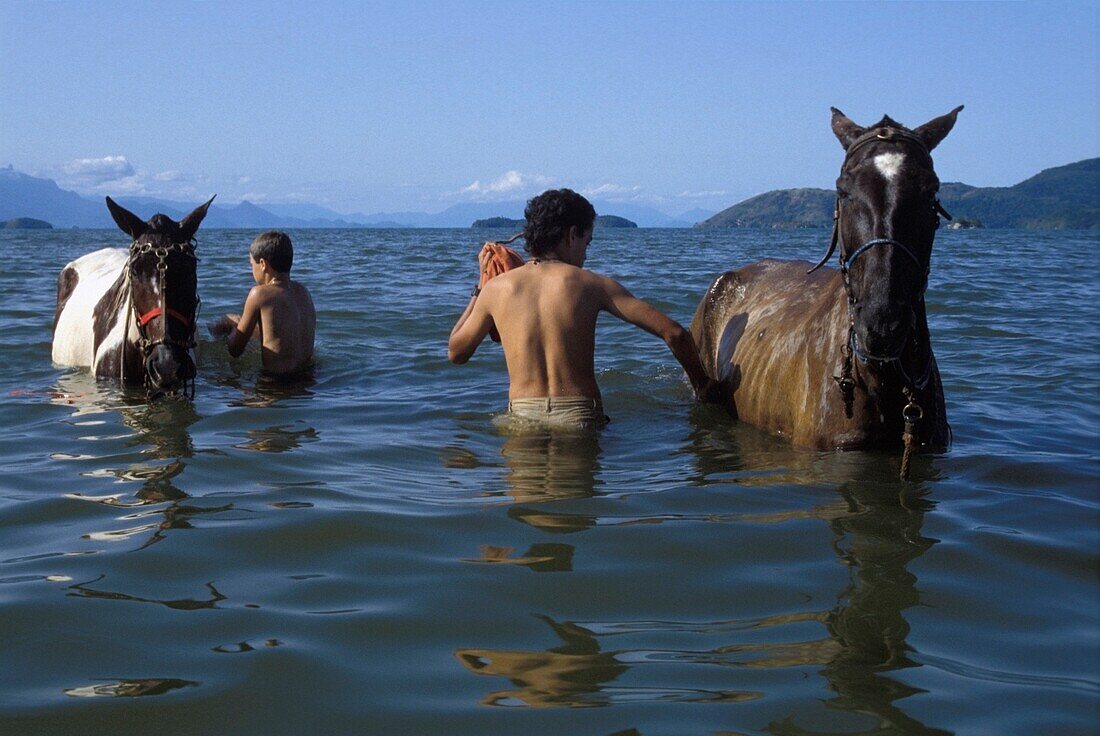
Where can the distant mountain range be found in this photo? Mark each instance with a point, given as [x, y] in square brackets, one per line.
[1059, 198]
[22, 195]
[1063, 197]
[508, 222]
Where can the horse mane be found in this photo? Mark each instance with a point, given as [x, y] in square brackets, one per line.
[161, 224]
[887, 122]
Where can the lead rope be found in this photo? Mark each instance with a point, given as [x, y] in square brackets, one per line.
[126, 334]
[510, 240]
[845, 381]
[162, 269]
[912, 413]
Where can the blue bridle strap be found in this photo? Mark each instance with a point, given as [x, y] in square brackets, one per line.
[880, 241]
[845, 263]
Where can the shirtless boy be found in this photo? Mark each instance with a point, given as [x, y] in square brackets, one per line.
[278, 309]
[546, 310]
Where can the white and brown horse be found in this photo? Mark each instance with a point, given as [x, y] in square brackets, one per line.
[129, 314]
[842, 359]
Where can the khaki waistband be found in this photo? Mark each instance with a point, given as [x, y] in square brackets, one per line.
[576, 410]
[552, 403]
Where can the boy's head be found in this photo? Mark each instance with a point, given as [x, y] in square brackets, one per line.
[275, 248]
[549, 217]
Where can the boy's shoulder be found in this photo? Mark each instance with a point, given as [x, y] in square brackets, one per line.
[261, 293]
[301, 288]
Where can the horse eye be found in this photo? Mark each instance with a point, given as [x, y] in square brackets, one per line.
[842, 193]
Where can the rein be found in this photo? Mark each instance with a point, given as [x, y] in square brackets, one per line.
[912, 413]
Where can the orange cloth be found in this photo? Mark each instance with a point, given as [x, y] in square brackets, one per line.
[495, 259]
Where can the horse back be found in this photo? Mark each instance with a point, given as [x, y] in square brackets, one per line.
[86, 310]
[770, 333]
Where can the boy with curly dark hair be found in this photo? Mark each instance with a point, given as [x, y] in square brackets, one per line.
[546, 310]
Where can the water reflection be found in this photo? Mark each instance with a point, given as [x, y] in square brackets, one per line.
[542, 464]
[550, 464]
[542, 557]
[876, 525]
[720, 449]
[83, 590]
[576, 674]
[130, 688]
[268, 391]
[160, 429]
[277, 439]
[877, 538]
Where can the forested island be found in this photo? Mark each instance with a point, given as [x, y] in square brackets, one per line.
[25, 223]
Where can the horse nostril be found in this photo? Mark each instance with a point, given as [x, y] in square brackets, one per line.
[161, 366]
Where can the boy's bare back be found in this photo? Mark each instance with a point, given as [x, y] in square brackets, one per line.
[285, 321]
[546, 316]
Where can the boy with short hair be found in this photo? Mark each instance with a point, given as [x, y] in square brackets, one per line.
[278, 309]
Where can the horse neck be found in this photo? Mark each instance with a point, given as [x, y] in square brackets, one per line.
[130, 357]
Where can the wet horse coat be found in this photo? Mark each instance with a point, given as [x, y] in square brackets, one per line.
[841, 359]
[129, 313]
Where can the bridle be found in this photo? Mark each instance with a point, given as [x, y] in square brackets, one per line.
[912, 413]
[146, 345]
[846, 260]
[885, 134]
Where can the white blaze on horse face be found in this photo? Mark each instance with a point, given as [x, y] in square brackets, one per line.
[74, 338]
[889, 164]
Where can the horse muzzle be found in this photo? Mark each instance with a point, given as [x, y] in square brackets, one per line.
[882, 337]
[169, 367]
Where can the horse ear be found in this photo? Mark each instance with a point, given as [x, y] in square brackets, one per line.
[126, 220]
[844, 129]
[190, 224]
[936, 130]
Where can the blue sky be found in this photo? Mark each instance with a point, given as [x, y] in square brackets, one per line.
[367, 107]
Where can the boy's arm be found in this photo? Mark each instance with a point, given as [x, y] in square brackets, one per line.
[630, 308]
[250, 317]
[470, 329]
[222, 327]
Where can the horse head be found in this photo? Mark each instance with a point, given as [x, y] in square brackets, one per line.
[887, 213]
[163, 293]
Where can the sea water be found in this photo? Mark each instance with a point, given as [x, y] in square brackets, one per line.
[370, 553]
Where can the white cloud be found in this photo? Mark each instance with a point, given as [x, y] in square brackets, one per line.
[510, 182]
[94, 171]
[115, 176]
[704, 194]
[611, 190]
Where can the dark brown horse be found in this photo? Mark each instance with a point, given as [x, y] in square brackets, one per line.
[842, 359]
[129, 314]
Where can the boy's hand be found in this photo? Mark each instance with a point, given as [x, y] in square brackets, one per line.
[223, 326]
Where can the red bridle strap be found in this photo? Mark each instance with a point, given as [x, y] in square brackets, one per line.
[157, 311]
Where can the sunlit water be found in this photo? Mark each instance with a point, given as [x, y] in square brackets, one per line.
[370, 553]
